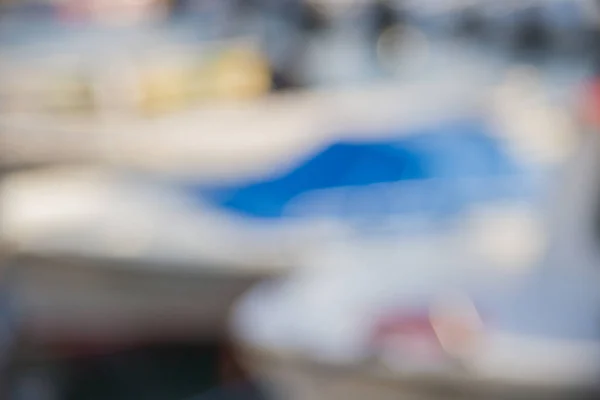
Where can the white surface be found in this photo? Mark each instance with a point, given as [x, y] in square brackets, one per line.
[95, 211]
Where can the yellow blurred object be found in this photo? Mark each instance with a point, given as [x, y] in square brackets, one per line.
[241, 74]
[153, 81]
[163, 89]
[233, 74]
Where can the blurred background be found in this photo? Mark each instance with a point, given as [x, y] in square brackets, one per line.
[299, 199]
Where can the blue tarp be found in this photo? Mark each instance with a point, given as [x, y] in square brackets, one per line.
[449, 153]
